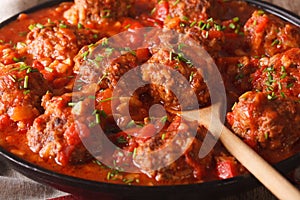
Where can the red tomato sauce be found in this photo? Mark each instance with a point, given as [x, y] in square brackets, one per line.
[41, 54]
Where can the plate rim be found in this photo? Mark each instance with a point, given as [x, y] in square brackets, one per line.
[21, 165]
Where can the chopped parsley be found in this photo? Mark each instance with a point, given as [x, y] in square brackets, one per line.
[275, 42]
[26, 79]
[121, 140]
[191, 76]
[272, 96]
[61, 25]
[130, 124]
[236, 19]
[163, 136]
[107, 13]
[153, 11]
[176, 2]
[127, 26]
[79, 26]
[16, 59]
[33, 26]
[232, 26]
[164, 119]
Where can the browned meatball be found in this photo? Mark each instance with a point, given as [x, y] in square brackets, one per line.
[94, 12]
[168, 81]
[53, 47]
[226, 10]
[22, 88]
[218, 38]
[153, 151]
[192, 10]
[106, 65]
[209, 38]
[55, 134]
[279, 76]
[267, 124]
[236, 73]
[269, 35]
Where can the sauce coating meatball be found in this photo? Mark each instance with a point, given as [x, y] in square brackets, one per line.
[279, 76]
[22, 88]
[266, 124]
[179, 136]
[97, 62]
[53, 47]
[167, 78]
[94, 12]
[268, 35]
[55, 134]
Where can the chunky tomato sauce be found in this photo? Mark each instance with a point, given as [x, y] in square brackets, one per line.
[42, 55]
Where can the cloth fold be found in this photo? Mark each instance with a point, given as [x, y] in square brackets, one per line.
[15, 186]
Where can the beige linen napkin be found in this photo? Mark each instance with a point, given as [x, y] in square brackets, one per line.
[9, 8]
[14, 186]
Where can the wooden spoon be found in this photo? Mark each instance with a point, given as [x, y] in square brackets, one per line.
[263, 171]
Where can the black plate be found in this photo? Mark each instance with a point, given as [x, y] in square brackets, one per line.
[99, 190]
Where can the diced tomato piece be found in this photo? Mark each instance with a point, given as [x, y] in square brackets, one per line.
[258, 23]
[73, 132]
[49, 76]
[161, 10]
[60, 82]
[103, 100]
[261, 23]
[226, 167]
[133, 39]
[71, 135]
[150, 21]
[90, 25]
[143, 55]
[8, 55]
[175, 124]
[131, 24]
[216, 34]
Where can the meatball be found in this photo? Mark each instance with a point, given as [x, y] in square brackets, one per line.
[53, 47]
[236, 73]
[187, 142]
[266, 124]
[22, 88]
[191, 10]
[94, 12]
[279, 76]
[268, 35]
[57, 133]
[104, 64]
[225, 10]
[171, 78]
[218, 38]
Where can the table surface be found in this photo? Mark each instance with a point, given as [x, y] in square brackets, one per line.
[15, 186]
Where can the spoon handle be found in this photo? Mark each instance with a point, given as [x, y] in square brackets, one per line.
[262, 170]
